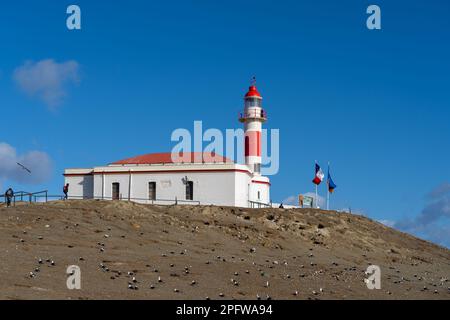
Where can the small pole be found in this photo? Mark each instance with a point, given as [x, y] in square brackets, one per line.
[328, 187]
[317, 202]
[317, 198]
[328, 200]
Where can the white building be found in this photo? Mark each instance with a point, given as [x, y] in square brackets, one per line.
[200, 178]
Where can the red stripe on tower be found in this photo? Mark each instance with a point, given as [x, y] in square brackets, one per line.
[253, 144]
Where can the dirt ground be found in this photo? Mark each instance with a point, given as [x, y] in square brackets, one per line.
[132, 251]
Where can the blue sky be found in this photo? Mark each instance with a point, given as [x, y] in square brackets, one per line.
[374, 103]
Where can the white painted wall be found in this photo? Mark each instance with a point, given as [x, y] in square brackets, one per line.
[228, 188]
[209, 188]
[80, 187]
[264, 194]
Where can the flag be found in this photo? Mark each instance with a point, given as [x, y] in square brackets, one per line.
[319, 175]
[331, 185]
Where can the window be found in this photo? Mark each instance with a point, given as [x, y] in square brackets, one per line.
[116, 191]
[252, 102]
[259, 195]
[152, 190]
[189, 190]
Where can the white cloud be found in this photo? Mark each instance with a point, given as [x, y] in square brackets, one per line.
[433, 222]
[38, 162]
[47, 79]
[292, 200]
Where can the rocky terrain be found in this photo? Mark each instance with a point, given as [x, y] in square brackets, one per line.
[132, 251]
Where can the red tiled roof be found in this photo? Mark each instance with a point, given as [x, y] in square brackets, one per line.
[166, 158]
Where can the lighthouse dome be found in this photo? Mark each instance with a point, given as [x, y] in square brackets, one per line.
[253, 93]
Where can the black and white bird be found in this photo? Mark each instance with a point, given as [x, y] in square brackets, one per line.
[24, 168]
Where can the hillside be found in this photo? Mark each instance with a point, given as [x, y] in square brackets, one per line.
[214, 252]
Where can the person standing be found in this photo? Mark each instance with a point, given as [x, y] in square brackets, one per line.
[66, 191]
[9, 194]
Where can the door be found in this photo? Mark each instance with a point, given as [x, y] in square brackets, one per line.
[116, 191]
[189, 190]
[152, 190]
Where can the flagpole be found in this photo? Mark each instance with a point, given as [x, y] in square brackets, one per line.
[328, 200]
[328, 187]
[317, 197]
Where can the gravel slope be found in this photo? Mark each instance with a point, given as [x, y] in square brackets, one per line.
[200, 252]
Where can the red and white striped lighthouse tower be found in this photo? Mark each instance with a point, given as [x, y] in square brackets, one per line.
[253, 118]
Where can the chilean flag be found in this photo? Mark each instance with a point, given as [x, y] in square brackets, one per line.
[319, 175]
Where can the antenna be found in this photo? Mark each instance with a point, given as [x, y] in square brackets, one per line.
[253, 81]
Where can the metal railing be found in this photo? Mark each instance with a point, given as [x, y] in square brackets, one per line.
[140, 200]
[45, 197]
[24, 196]
[253, 114]
[256, 204]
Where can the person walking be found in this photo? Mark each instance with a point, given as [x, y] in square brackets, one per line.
[66, 191]
[9, 194]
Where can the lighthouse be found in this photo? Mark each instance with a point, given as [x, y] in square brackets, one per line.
[253, 117]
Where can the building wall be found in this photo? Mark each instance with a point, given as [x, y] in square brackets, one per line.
[228, 188]
[109, 179]
[80, 187]
[264, 192]
[209, 188]
[98, 186]
[241, 187]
